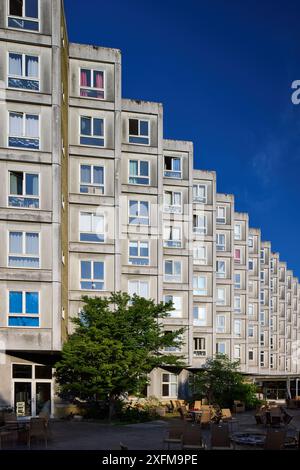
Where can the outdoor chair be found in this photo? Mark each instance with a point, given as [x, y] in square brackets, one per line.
[175, 433]
[37, 430]
[274, 439]
[205, 418]
[228, 418]
[184, 415]
[192, 438]
[220, 438]
[197, 404]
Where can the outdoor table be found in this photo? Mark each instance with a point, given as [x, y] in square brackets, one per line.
[258, 439]
[195, 414]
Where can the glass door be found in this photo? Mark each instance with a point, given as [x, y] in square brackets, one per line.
[23, 398]
[43, 397]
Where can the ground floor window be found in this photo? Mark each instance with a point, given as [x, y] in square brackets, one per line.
[169, 385]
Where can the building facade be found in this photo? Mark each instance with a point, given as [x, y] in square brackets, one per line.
[94, 200]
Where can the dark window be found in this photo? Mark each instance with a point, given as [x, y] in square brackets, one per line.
[22, 371]
[16, 7]
[133, 127]
[31, 9]
[43, 372]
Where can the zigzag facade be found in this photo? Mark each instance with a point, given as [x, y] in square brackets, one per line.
[94, 200]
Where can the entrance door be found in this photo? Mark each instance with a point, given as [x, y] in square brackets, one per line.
[43, 397]
[23, 398]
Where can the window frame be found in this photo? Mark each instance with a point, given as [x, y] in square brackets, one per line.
[23, 76]
[24, 196]
[237, 332]
[171, 313]
[220, 274]
[200, 321]
[23, 254]
[24, 315]
[92, 184]
[237, 347]
[173, 171]
[24, 18]
[197, 260]
[205, 288]
[169, 383]
[92, 280]
[198, 229]
[220, 325]
[238, 259]
[92, 136]
[220, 302]
[93, 215]
[218, 244]
[138, 160]
[139, 131]
[179, 276]
[237, 285]
[239, 308]
[139, 255]
[221, 219]
[92, 70]
[200, 199]
[175, 243]
[138, 201]
[139, 282]
[237, 234]
[172, 208]
[23, 136]
[217, 347]
[202, 351]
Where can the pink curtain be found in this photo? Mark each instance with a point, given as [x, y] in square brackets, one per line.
[99, 79]
[83, 78]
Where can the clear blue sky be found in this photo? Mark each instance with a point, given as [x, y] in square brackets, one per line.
[223, 70]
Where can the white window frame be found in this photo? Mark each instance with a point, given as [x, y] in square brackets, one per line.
[167, 241]
[218, 343]
[201, 320]
[92, 136]
[173, 171]
[176, 277]
[221, 301]
[92, 184]
[139, 253]
[138, 160]
[199, 260]
[25, 18]
[200, 229]
[23, 254]
[250, 241]
[262, 358]
[237, 285]
[251, 310]
[92, 280]
[139, 282]
[220, 274]
[250, 330]
[172, 208]
[262, 339]
[237, 304]
[251, 264]
[23, 76]
[23, 314]
[221, 219]
[204, 291]
[139, 216]
[24, 136]
[220, 246]
[170, 395]
[251, 351]
[92, 87]
[24, 195]
[220, 323]
[177, 312]
[92, 215]
[237, 259]
[237, 351]
[237, 328]
[197, 193]
[238, 231]
[139, 131]
[200, 352]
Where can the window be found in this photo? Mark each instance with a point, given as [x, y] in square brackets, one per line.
[139, 212]
[200, 224]
[139, 172]
[262, 297]
[23, 250]
[199, 285]
[237, 255]
[237, 351]
[221, 269]
[251, 264]
[262, 318]
[172, 271]
[91, 179]
[23, 309]
[251, 354]
[176, 347]
[221, 215]
[221, 242]
[237, 281]
[92, 131]
[172, 202]
[220, 323]
[237, 231]
[199, 315]
[172, 167]
[271, 342]
[237, 328]
[169, 385]
[271, 361]
[24, 131]
[23, 190]
[262, 339]
[91, 227]
[139, 132]
[262, 256]
[24, 14]
[200, 193]
[237, 304]
[172, 237]
[262, 276]
[199, 347]
[92, 275]
[177, 305]
[221, 296]
[250, 287]
[250, 242]
[200, 254]
[262, 359]
[250, 310]
[140, 288]
[251, 331]
[139, 253]
[220, 348]
[23, 71]
[92, 83]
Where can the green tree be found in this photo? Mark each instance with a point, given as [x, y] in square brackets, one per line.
[221, 383]
[116, 343]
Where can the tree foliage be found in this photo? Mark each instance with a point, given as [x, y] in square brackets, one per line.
[221, 383]
[117, 341]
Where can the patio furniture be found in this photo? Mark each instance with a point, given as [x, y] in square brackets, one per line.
[220, 438]
[238, 406]
[192, 438]
[175, 433]
[37, 430]
[205, 418]
[196, 415]
[274, 439]
[197, 404]
[184, 415]
[228, 418]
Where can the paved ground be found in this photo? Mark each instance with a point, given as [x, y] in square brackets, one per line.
[69, 435]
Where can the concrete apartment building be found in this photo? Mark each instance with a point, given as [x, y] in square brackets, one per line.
[93, 200]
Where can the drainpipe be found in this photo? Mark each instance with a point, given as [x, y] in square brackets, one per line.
[297, 387]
